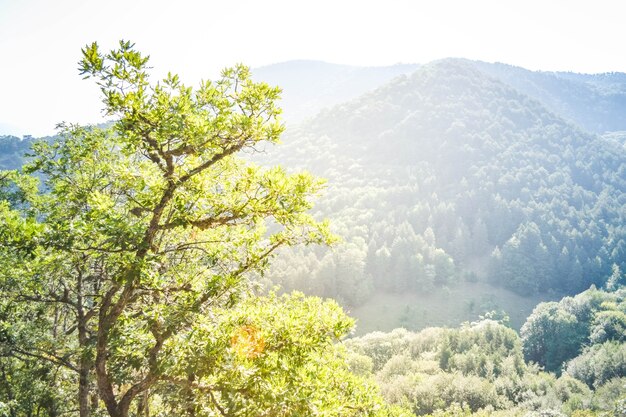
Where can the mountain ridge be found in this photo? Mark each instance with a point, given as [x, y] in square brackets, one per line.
[565, 93]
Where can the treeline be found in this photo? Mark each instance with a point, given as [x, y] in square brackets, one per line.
[485, 368]
[587, 330]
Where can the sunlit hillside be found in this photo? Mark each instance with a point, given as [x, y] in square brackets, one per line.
[450, 175]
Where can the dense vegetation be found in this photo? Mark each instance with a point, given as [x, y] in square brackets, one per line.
[450, 175]
[485, 368]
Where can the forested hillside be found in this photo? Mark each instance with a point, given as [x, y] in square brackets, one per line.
[596, 102]
[12, 150]
[448, 175]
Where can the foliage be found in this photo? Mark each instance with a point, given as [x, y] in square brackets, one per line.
[479, 369]
[455, 173]
[557, 332]
[436, 368]
[126, 274]
[599, 363]
[270, 356]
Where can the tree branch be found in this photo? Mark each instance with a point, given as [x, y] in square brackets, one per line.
[216, 158]
[57, 360]
[201, 224]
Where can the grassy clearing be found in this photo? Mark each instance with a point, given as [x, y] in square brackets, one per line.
[465, 301]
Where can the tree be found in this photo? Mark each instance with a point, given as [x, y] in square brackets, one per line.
[552, 335]
[599, 363]
[135, 254]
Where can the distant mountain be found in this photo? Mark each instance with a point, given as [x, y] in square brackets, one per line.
[12, 150]
[309, 86]
[596, 102]
[452, 174]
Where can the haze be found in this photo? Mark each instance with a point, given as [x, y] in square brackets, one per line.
[40, 41]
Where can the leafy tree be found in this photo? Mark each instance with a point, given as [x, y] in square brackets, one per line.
[599, 363]
[616, 277]
[129, 269]
[552, 335]
[608, 325]
[557, 332]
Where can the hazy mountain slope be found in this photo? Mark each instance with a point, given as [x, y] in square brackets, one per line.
[12, 150]
[309, 86]
[596, 102]
[451, 173]
[608, 82]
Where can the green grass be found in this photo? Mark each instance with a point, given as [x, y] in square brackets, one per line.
[444, 307]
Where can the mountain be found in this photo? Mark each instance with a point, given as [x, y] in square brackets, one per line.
[309, 86]
[450, 175]
[595, 102]
[12, 150]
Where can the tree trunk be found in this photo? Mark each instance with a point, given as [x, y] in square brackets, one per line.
[94, 401]
[85, 364]
[84, 389]
[143, 408]
[191, 407]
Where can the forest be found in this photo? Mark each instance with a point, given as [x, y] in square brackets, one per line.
[450, 175]
[179, 260]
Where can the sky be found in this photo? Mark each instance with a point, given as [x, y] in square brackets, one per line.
[40, 41]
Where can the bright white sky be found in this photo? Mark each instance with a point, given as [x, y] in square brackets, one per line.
[40, 41]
